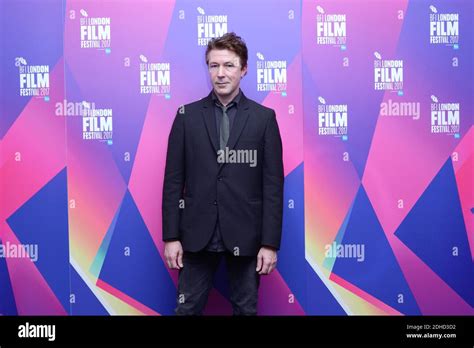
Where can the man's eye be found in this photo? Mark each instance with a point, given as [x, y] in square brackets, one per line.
[229, 65]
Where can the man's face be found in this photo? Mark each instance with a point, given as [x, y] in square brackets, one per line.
[225, 72]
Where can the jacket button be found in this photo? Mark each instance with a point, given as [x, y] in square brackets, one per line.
[219, 178]
[215, 203]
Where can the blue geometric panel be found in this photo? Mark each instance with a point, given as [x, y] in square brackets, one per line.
[368, 262]
[133, 264]
[85, 301]
[329, 261]
[43, 221]
[104, 246]
[292, 253]
[320, 301]
[435, 226]
[7, 300]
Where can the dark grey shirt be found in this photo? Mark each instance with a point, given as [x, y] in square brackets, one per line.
[216, 243]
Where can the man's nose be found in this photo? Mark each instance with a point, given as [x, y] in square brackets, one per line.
[221, 71]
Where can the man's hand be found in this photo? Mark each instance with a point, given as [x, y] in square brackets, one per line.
[174, 254]
[266, 260]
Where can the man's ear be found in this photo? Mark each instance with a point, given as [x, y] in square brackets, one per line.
[244, 72]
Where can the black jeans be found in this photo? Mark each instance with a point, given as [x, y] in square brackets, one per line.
[195, 281]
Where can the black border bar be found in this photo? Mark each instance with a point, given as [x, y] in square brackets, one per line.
[208, 330]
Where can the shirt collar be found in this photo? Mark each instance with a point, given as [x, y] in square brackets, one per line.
[236, 99]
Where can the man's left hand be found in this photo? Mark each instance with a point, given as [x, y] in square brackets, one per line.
[266, 260]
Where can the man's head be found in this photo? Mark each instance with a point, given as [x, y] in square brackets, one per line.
[226, 58]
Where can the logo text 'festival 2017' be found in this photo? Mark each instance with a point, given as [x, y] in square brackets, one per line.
[332, 119]
[388, 74]
[96, 123]
[444, 28]
[209, 27]
[154, 78]
[444, 117]
[330, 29]
[271, 75]
[95, 32]
[34, 79]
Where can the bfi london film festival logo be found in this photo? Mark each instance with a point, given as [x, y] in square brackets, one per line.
[331, 29]
[388, 74]
[34, 79]
[154, 78]
[95, 32]
[444, 28]
[445, 117]
[96, 123]
[271, 75]
[332, 119]
[210, 26]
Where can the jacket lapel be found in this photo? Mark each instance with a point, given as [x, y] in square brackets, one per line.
[239, 122]
[210, 121]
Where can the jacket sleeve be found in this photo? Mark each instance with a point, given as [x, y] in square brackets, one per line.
[174, 180]
[273, 178]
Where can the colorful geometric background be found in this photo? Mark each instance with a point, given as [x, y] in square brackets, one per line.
[385, 185]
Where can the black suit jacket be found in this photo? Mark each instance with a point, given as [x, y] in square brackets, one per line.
[246, 200]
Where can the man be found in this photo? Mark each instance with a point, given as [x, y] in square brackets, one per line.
[224, 160]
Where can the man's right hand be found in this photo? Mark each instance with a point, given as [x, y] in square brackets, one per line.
[174, 254]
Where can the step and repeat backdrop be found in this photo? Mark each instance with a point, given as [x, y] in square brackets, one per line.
[374, 100]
